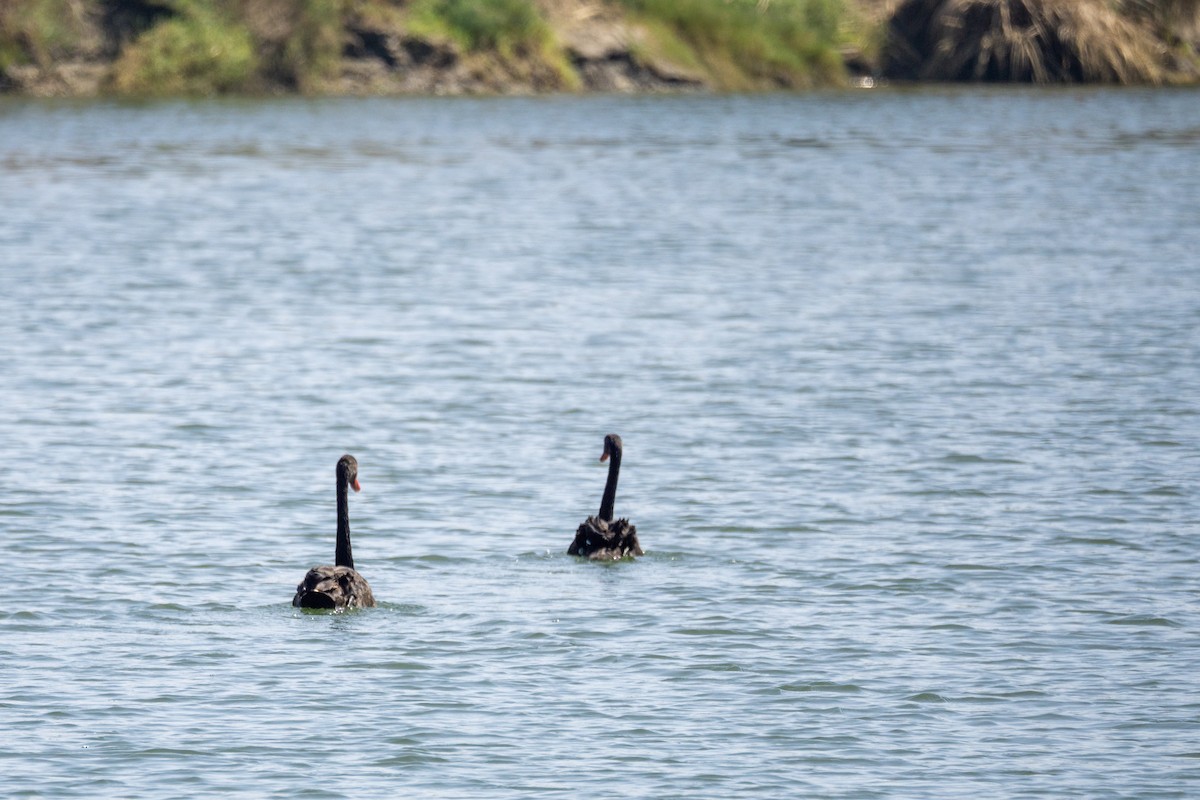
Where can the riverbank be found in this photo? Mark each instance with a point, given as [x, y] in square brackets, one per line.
[382, 47]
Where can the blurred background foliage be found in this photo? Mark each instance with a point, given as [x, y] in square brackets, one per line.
[214, 46]
[156, 47]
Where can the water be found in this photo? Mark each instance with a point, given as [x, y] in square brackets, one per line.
[908, 386]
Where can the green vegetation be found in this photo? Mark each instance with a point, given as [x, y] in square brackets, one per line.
[313, 49]
[748, 44]
[163, 47]
[39, 31]
[221, 46]
[510, 36]
[508, 26]
[199, 50]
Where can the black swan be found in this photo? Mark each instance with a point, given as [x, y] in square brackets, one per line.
[601, 538]
[338, 586]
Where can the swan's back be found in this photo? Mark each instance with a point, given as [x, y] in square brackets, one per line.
[605, 540]
[334, 588]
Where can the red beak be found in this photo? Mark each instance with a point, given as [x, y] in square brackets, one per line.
[355, 486]
[604, 456]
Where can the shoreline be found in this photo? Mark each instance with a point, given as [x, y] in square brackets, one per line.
[565, 47]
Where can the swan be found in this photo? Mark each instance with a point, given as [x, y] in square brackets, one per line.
[338, 586]
[601, 538]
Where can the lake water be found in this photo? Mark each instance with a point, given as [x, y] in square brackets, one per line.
[909, 384]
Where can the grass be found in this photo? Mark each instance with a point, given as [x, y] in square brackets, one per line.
[38, 31]
[749, 44]
[514, 31]
[208, 47]
[200, 50]
[313, 50]
[1030, 41]
[222, 46]
[1177, 24]
[507, 26]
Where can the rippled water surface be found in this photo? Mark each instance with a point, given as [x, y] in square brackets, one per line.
[909, 385]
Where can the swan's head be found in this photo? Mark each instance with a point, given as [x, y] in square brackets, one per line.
[612, 447]
[348, 466]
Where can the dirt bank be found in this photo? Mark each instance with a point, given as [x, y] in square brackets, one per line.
[392, 47]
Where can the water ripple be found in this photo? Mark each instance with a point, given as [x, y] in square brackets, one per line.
[906, 383]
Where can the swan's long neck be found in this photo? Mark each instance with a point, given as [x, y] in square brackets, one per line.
[344, 558]
[610, 488]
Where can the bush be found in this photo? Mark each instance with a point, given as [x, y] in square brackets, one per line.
[198, 51]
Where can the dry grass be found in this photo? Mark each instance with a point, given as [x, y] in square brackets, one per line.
[44, 31]
[1031, 41]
